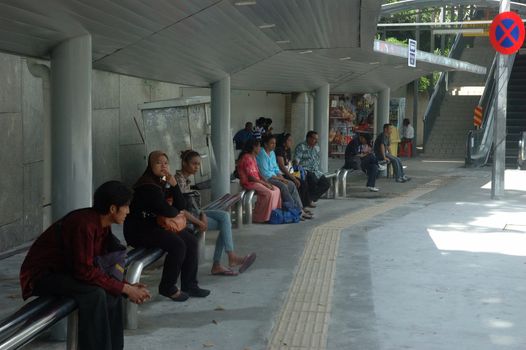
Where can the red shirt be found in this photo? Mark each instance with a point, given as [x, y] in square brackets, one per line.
[247, 166]
[81, 238]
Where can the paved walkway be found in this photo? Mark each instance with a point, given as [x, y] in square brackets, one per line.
[429, 264]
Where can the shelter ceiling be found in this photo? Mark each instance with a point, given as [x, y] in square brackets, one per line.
[198, 42]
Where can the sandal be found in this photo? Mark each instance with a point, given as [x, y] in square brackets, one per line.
[226, 272]
[247, 262]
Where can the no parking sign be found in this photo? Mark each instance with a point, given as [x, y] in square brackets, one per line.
[506, 33]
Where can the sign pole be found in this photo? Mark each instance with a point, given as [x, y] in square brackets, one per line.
[499, 138]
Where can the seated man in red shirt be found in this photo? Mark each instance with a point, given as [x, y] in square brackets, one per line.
[61, 263]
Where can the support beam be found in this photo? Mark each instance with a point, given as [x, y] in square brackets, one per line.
[382, 116]
[71, 144]
[321, 124]
[299, 116]
[499, 141]
[221, 138]
[71, 126]
[415, 116]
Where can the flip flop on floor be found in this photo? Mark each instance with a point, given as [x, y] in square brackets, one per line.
[225, 272]
[247, 261]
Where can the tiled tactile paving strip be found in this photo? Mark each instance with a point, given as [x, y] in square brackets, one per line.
[304, 320]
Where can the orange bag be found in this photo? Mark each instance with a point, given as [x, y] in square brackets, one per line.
[176, 224]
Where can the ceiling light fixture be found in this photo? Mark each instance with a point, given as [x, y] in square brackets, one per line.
[245, 3]
[283, 42]
[304, 52]
[345, 58]
[266, 26]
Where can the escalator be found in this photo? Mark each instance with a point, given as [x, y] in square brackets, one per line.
[516, 108]
[480, 141]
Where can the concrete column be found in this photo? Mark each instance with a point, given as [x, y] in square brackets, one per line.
[321, 124]
[499, 139]
[71, 145]
[71, 125]
[299, 117]
[221, 138]
[311, 112]
[383, 109]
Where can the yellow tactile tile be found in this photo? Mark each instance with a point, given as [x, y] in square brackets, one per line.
[304, 319]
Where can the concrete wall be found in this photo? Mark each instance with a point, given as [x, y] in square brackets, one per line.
[118, 145]
[21, 138]
[119, 150]
[423, 99]
[250, 105]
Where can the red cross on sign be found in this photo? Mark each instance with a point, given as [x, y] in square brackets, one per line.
[506, 33]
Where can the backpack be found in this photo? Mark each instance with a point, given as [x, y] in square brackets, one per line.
[284, 216]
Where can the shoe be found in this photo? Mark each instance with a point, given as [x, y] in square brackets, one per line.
[178, 296]
[247, 262]
[382, 167]
[400, 179]
[373, 189]
[406, 178]
[197, 292]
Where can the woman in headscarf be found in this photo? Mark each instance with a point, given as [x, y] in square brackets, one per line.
[157, 194]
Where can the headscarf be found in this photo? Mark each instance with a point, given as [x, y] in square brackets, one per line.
[148, 177]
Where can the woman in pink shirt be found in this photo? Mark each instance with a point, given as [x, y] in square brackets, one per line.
[268, 196]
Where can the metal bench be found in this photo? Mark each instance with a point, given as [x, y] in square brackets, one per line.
[334, 190]
[143, 260]
[40, 314]
[344, 173]
[248, 196]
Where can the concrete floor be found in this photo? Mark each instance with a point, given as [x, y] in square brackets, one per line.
[442, 269]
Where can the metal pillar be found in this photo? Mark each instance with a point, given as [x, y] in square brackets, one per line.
[71, 150]
[499, 141]
[415, 95]
[221, 138]
[383, 109]
[321, 124]
[415, 116]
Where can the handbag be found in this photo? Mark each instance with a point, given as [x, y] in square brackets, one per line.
[193, 202]
[112, 263]
[284, 216]
[175, 224]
